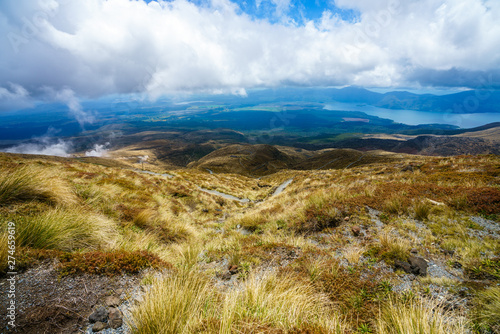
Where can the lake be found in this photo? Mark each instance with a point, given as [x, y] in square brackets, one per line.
[412, 117]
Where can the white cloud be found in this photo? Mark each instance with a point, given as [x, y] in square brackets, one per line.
[68, 97]
[60, 149]
[45, 145]
[98, 150]
[14, 97]
[96, 47]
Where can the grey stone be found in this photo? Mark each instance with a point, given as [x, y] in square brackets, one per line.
[418, 265]
[115, 318]
[405, 266]
[99, 326]
[112, 301]
[356, 230]
[101, 314]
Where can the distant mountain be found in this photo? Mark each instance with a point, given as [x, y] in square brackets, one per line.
[473, 101]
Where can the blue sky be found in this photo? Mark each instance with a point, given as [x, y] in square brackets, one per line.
[65, 51]
[299, 11]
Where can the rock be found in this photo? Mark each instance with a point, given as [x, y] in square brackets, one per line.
[233, 269]
[414, 251]
[418, 265]
[449, 252]
[115, 318]
[408, 168]
[99, 315]
[356, 230]
[99, 326]
[112, 301]
[346, 219]
[405, 266]
[119, 291]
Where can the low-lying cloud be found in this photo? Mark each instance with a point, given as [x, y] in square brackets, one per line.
[99, 150]
[45, 145]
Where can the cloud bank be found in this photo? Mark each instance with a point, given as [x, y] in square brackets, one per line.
[45, 145]
[96, 47]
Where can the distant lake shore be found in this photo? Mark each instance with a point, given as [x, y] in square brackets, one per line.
[413, 117]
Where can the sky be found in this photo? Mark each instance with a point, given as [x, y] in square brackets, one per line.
[69, 50]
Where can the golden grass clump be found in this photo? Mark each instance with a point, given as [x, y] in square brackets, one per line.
[394, 247]
[174, 304]
[4, 249]
[422, 210]
[353, 253]
[167, 227]
[65, 230]
[487, 313]
[28, 183]
[417, 316]
[280, 302]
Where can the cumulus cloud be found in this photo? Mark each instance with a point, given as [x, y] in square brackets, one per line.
[97, 47]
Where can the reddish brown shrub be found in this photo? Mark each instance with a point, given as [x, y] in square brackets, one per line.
[109, 263]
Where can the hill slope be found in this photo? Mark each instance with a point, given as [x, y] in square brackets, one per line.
[365, 246]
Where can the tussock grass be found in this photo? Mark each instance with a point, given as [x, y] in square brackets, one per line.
[487, 312]
[281, 302]
[63, 229]
[394, 247]
[143, 240]
[394, 205]
[3, 251]
[167, 227]
[441, 281]
[422, 210]
[29, 183]
[177, 303]
[418, 316]
[253, 223]
[353, 253]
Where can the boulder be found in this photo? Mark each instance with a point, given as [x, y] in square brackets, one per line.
[418, 265]
[405, 266]
[99, 326]
[115, 319]
[112, 301]
[233, 269]
[99, 315]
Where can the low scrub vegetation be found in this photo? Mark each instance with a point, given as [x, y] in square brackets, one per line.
[318, 258]
[108, 263]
